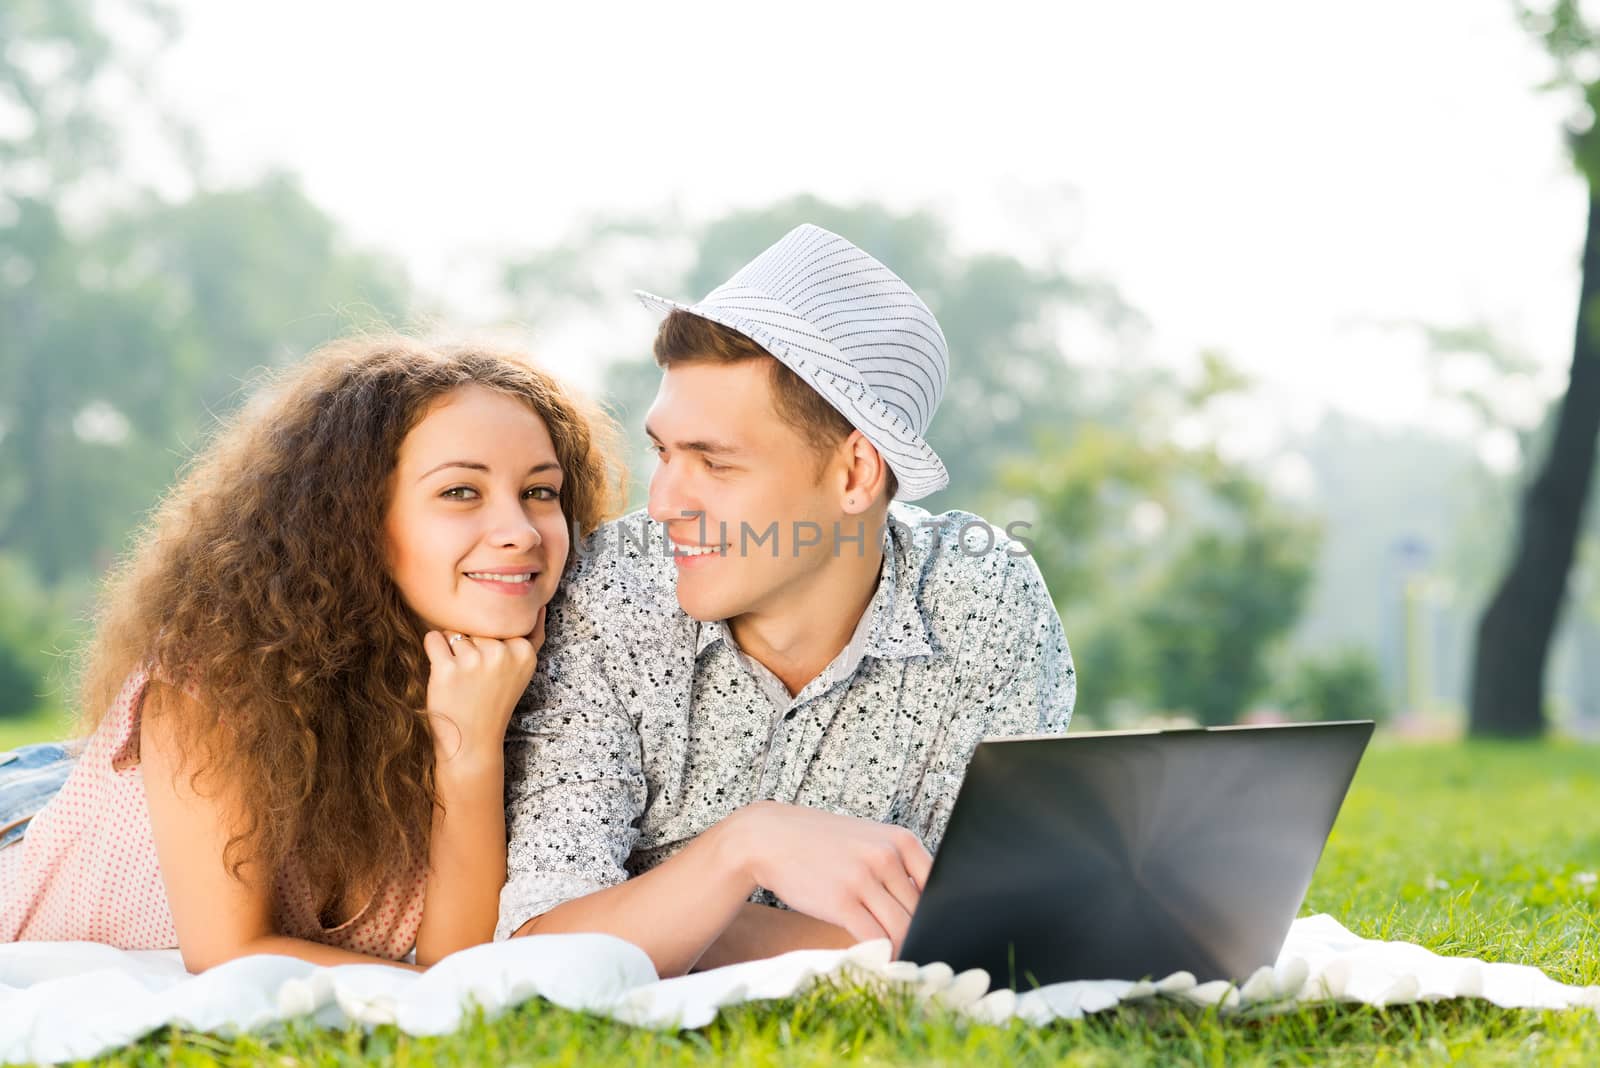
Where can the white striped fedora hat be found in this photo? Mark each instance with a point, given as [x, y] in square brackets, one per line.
[850, 327]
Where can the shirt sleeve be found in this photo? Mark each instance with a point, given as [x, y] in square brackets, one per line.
[575, 785]
[1035, 695]
[1019, 679]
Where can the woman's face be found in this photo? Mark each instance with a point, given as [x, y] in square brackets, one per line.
[475, 534]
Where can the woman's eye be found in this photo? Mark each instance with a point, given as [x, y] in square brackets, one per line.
[542, 493]
[459, 493]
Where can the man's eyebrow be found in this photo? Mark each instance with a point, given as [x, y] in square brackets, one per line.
[474, 465]
[698, 445]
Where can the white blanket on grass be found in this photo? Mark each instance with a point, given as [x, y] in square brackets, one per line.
[67, 1001]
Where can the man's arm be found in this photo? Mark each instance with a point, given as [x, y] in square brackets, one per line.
[575, 785]
[573, 806]
[861, 876]
[1042, 687]
[1022, 682]
[577, 790]
[673, 912]
[761, 931]
[576, 793]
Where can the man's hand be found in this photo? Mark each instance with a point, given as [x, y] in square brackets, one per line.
[862, 876]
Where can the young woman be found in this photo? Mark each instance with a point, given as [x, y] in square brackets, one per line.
[302, 676]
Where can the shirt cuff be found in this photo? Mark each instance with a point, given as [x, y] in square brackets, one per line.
[527, 896]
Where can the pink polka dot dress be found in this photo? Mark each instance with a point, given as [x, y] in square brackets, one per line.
[86, 870]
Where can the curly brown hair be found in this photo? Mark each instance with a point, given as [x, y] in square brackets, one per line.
[259, 588]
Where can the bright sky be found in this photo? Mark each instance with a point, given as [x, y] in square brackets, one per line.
[1284, 182]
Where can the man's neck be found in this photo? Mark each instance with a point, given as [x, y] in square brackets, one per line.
[797, 641]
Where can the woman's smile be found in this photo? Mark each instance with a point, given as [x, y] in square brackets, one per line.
[510, 582]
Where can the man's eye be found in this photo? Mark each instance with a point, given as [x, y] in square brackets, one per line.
[715, 467]
[459, 493]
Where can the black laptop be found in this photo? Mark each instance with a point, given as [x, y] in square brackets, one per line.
[1133, 854]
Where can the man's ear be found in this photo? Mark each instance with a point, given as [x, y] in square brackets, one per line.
[866, 474]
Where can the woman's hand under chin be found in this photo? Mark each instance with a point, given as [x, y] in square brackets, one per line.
[474, 683]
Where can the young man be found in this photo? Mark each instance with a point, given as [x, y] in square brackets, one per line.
[769, 688]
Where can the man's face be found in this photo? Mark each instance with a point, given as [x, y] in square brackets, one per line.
[733, 476]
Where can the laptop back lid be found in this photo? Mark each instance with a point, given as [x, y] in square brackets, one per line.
[1121, 855]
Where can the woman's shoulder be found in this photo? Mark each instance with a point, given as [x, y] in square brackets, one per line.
[115, 736]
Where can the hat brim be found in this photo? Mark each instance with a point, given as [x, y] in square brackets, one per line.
[661, 304]
[917, 468]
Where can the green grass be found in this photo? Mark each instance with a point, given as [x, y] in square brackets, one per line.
[1471, 850]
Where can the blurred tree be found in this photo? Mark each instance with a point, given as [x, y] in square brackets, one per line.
[1514, 635]
[54, 59]
[256, 276]
[55, 56]
[128, 320]
[1213, 617]
[20, 685]
[1176, 573]
[1343, 685]
[133, 334]
[33, 634]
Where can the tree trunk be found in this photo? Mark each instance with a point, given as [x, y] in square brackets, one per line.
[1515, 632]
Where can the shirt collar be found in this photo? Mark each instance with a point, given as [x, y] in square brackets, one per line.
[891, 628]
[710, 633]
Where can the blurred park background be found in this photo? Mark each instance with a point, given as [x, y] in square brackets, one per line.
[1263, 320]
